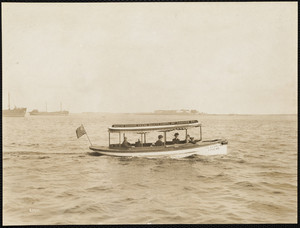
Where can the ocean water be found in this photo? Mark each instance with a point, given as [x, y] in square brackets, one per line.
[50, 176]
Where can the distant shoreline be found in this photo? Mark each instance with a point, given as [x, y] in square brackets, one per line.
[180, 114]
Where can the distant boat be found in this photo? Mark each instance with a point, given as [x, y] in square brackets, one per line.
[36, 112]
[16, 112]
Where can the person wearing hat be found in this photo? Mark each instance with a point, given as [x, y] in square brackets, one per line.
[176, 140]
[138, 143]
[190, 139]
[159, 142]
[125, 143]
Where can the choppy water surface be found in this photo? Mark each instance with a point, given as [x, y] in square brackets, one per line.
[49, 177]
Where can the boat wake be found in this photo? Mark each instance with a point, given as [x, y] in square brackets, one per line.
[94, 154]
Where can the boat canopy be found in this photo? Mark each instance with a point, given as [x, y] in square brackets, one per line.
[162, 126]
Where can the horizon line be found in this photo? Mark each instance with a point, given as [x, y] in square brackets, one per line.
[181, 114]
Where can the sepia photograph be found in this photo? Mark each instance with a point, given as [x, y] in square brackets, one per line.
[149, 113]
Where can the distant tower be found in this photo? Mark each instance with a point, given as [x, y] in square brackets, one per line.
[8, 101]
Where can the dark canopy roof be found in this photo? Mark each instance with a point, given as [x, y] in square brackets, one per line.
[162, 126]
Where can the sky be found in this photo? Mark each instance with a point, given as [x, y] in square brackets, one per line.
[215, 57]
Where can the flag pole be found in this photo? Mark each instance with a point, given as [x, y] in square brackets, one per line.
[88, 139]
[87, 135]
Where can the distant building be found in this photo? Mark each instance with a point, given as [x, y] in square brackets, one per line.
[181, 111]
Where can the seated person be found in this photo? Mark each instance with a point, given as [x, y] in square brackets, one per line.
[190, 139]
[176, 140]
[159, 142]
[138, 143]
[125, 143]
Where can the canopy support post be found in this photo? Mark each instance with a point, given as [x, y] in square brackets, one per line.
[109, 139]
[186, 135]
[165, 136]
[142, 139]
[119, 139]
[200, 133]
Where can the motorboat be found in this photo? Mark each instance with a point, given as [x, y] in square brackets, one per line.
[183, 148]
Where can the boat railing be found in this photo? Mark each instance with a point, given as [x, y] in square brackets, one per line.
[168, 143]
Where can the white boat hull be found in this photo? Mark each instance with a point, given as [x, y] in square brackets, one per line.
[206, 150]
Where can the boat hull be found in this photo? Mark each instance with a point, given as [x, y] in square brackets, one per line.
[17, 112]
[63, 113]
[175, 151]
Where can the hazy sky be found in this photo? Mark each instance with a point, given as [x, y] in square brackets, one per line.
[138, 57]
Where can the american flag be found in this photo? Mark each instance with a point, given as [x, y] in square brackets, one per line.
[80, 131]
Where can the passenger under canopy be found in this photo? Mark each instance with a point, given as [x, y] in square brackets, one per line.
[163, 126]
[143, 129]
